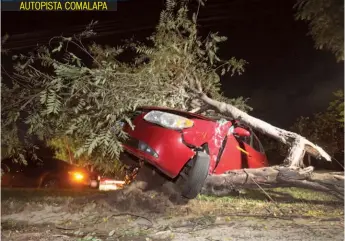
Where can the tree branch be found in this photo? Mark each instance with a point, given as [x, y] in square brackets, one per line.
[299, 144]
[269, 177]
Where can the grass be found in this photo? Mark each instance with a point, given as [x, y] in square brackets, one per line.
[44, 195]
[202, 212]
[287, 202]
[16, 200]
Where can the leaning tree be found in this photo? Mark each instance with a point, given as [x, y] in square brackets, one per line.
[70, 89]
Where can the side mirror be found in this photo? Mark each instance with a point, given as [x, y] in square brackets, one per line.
[239, 131]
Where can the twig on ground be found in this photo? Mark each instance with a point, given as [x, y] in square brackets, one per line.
[263, 190]
[129, 214]
[61, 235]
[53, 216]
[65, 228]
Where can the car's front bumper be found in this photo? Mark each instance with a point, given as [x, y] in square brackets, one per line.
[165, 148]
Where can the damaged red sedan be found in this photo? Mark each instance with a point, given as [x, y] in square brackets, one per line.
[188, 146]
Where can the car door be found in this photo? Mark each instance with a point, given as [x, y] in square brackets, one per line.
[230, 157]
[255, 153]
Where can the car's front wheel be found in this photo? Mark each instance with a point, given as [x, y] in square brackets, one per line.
[50, 183]
[193, 175]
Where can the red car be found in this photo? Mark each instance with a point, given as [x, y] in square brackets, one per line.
[188, 146]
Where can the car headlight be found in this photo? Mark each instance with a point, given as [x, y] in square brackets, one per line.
[168, 120]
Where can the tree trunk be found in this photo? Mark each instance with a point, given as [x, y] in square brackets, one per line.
[298, 144]
[70, 156]
[275, 176]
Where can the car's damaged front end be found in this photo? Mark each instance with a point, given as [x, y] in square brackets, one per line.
[168, 139]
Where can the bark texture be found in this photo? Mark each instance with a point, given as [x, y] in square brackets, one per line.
[275, 176]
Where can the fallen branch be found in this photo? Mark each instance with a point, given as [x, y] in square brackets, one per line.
[269, 177]
[298, 145]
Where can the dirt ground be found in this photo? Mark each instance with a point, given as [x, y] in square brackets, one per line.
[131, 214]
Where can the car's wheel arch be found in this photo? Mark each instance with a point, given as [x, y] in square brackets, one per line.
[46, 176]
[203, 148]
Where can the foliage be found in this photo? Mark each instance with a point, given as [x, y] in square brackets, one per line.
[327, 128]
[59, 94]
[65, 149]
[337, 106]
[326, 23]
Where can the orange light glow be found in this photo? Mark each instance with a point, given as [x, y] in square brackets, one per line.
[78, 176]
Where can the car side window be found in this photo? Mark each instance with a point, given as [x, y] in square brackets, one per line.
[256, 144]
[245, 139]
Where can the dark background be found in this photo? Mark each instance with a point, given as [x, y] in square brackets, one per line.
[285, 78]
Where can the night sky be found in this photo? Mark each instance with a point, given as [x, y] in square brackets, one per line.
[286, 77]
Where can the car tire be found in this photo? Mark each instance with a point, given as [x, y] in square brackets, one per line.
[196, 175]
[50, 183]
